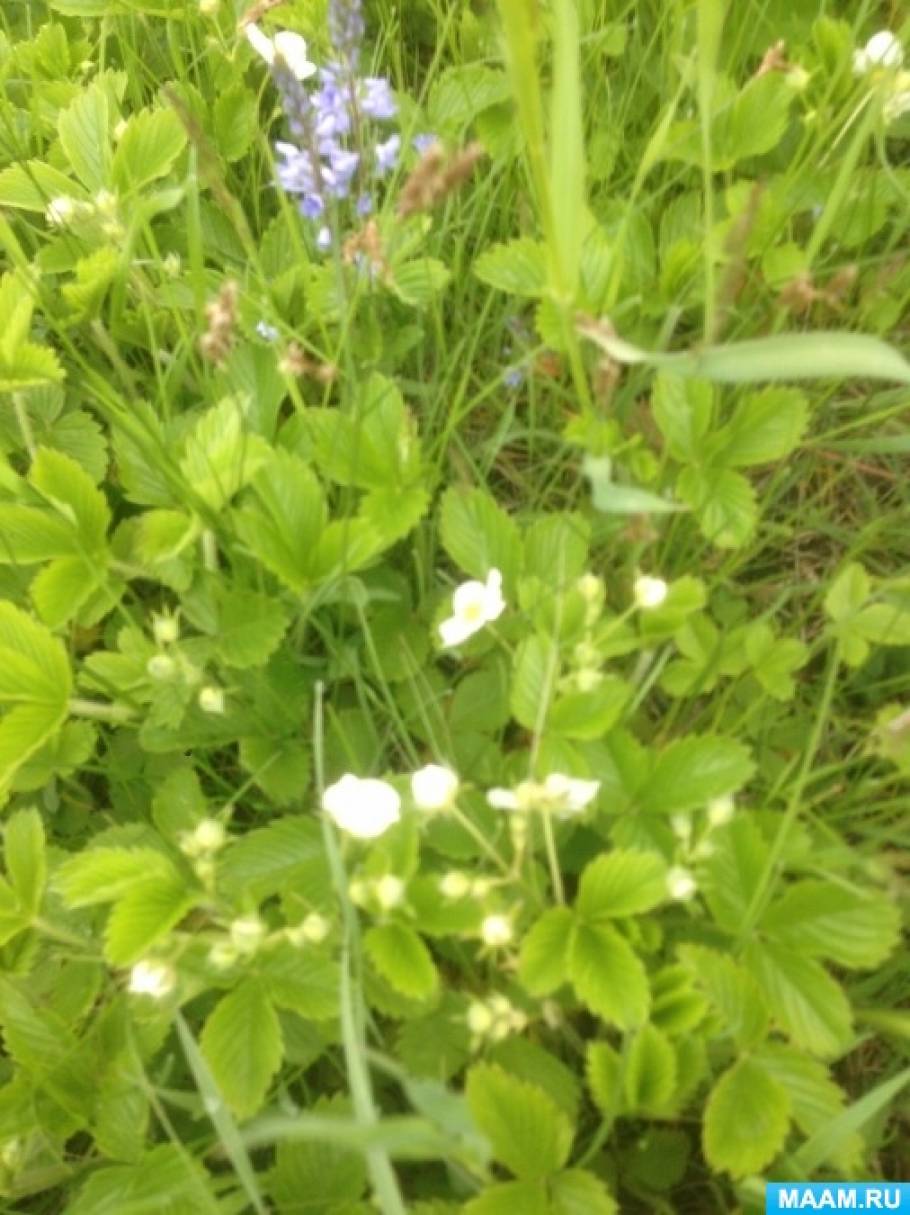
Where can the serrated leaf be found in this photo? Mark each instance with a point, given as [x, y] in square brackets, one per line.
[683, 410]
[731, 991]
[24, 857]
[746, 1120]
[83, 128]
[102, 875]
[145, 914]
[649, 1077]
[250, 627]
[766, 426]
[60, 589]
[578, 1192]
[590, 714]
[527, 1131]
[478, 535]
[690, 771]
[853, 928]
[242, 1044]
[536, 668]
[419, 281]
[147, 149]
[32, 185]
[284, 527]
[803, 999]
[603, 1071]
[723, 501]
[221, 455]
[608, 976]
[28, 535]
[304, 981]
[734, 872]
[544, 952]
[72, 493]
[236, 118]
[518, 267]
[402, 959]
[814, 1097]
[621, 883]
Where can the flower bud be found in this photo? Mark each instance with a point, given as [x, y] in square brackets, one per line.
[222, 956]
[649, 592]
[247, 933]
[496, 930]
[389, 891]
[720, 810]
[681, 883]
[315, 928]
[454, 885]
[161, 667]
[155, 979]
[479, 1018]
[211, 699]
[165, 629]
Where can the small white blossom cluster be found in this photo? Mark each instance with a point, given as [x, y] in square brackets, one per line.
[65, 211]
[386, 892]
[696, 845]
[882, 58]
[493, 1019]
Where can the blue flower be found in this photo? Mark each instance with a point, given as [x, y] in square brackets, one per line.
[387, 153]
[376, 98]
[267, 332]
[422, 143]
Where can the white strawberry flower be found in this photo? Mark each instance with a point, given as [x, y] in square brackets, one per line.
[364, 808]
[569, 795]
[649, 592]
[286, 48]
[59, 211]
[474, 604]
[155, 979]
[496, 930]
[883, 50]
[434, 787]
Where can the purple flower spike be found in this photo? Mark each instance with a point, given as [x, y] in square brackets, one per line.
[364, 204]
[346, 28]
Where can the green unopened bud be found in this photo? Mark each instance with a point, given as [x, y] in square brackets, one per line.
[222, 956]
[247, 933]
[211, 699]
[161, 667]
[479, 1018]
[454, 885]
[165, 629]
[389, 891]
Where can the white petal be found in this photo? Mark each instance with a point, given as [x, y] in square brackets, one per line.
[292, 49]
[456, 629]
[861, 63]
[582, 793]
[493, 602]
[365, 808]
[649, 592]
[261, 43]
[884, 50]
[469, 597]
[502, 799]
[434, 787]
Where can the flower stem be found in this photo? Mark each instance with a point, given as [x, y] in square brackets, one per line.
[99, 711]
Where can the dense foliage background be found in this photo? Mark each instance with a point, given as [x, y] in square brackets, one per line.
[454, 611]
